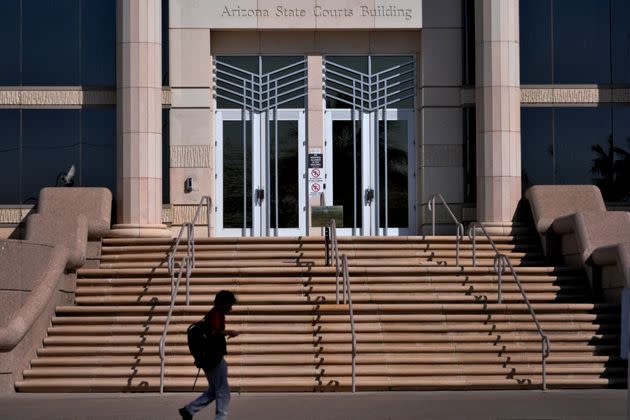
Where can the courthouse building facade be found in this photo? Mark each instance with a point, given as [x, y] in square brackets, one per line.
[275, 109]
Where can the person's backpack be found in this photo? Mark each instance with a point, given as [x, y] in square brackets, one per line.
[203, 345]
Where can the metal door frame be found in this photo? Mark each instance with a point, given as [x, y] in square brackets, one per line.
[260, 174]
[368, 144]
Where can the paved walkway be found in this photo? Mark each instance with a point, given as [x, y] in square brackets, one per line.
[591, 404]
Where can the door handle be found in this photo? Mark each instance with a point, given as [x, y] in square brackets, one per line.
[260, 195]
[369, 195]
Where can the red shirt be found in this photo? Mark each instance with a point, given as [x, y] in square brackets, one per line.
[216, 319]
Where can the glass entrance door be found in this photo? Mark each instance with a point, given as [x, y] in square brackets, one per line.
[372, 179]
[369, 142]
[260, 147]
[260, 186]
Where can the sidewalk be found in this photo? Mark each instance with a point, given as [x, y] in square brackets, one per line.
[590, 404]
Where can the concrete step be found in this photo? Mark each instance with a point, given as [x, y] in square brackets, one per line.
[132, 254]
[398, 241]
[332, 359]
[322, 319]
[310, 270]
[281, 370]
[307, 262]
[472, 296]
[230, 281]
[323, 338]
[326, 308]
[490, 348]
[284, 328]
[318, 249]
[421, 322]
[308, 384]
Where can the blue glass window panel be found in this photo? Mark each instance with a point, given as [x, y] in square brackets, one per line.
[470, 154]
[537, 146]
[468, 68]
[50, 34]
[10, 42]
[578, 131]
[98, 148]
[98, 43]
[535, 41]
[620, 14]
[581, 41]
[9, 156]
[50, 145]
[165, 73]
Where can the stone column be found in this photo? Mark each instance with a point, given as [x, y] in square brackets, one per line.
[139, 107]
[498, 112]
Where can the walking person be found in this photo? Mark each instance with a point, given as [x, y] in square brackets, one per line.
[213, 364]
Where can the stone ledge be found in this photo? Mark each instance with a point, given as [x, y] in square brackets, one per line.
[71, 96]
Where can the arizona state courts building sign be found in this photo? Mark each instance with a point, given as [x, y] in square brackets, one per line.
[298, 14]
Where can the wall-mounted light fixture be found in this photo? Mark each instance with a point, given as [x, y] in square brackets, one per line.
[188, 185]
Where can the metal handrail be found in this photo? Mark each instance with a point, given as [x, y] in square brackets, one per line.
[191, 237]
[460, 227]
[186, 227]
[500, 263]
[331, 239]
[348, 297]
[187, 264]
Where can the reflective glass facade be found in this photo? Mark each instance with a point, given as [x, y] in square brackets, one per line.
[40, 144]
[575, 41]
[73, 40]
[587, 145]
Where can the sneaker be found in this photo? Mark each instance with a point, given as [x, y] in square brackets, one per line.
[185, 414]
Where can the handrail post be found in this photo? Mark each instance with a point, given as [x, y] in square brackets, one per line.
[432, 209]
[208, 211]
[473, 234]
[327, 244]
[459, 226]
[188, 272]
[460, 237]
[544, 355]
[174, 288]
[191, 242]
[346, 278]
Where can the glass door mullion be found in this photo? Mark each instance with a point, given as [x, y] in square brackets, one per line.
[369, 188]
[259, 167]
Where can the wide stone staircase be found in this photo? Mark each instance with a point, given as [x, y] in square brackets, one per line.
[422, 323]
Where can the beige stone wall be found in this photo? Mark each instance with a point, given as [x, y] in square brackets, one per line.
[191, 122]
[440, 120]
